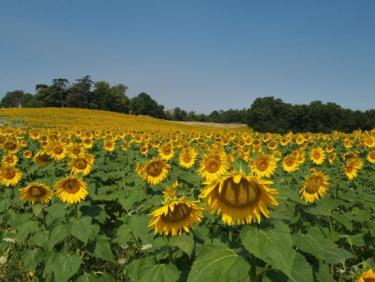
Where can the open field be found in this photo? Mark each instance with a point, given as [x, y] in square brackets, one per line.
[98, 196]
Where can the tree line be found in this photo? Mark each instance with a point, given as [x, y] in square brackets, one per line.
[266, 114]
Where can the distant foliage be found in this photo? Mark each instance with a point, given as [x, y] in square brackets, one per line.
[267, 114]
[273, 115]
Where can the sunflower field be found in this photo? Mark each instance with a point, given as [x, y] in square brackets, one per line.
[98, 196]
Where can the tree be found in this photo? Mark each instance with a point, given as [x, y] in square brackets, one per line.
[79, 94]
[13, 99]
[54, 95]
[143, 104]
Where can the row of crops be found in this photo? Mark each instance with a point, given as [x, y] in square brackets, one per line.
[120, 204]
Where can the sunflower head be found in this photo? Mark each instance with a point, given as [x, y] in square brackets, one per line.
[175, 217]
[82, 164]
[371, 156]
[153, 171]
[166, 152]
[368, 276]
[9, 175]
[169, 192]
[317, 155]
[213, 165]
[42, 158]
[239, 198]
[36, 192]
[264, 165]
[27, 154]
[57, 151]
[187, 158]
[71, 190]
[290, 163]
[315, 186]
[352, 167]
[10, 159]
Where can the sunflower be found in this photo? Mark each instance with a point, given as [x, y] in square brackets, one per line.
[317, 155]
[169, 192]
[82, 164]
[109, 145]
[166, 152]
[290, 163]
[74, 150]
[10, 160]
[57, 151]
[368, 276]
[352, 167]
[27, 154]
[187, 158]
[153, 171]
[10, 145]
[264, 165]
[42, 158]
[36, 192]
[9, 175]
[175, 217]
[87, 143]
[213, 165]
[332, 157]
[371, 156]
[71, 190]
[239, 198]
[315, 186]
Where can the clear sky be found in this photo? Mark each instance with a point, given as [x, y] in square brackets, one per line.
[197, 54]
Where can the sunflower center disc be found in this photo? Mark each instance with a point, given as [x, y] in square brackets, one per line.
[180, 212]
[316, 155]
[9, 173]
[289, 162]
[313, 185]
[71, 186]
[240, 194]
[212, 165]
[154, 168]
[80, 164]
[369, 279]
[36, 191]
[262, 164]
[186, 158]
[10, 146]
[58, 150]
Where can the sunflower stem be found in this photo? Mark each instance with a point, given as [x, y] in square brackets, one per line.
[76, 211]
[253, 270]
[170, 254]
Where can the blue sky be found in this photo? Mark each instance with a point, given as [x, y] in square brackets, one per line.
[200, 55]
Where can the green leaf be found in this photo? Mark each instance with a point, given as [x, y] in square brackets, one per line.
[30, 259]
[184, 242]
[101, 248]
[145, 271]
[302, 270]
[81, 228]
[40, 239]
[55, 211]
[25, 230]
[136, 225]
[90, 277]
[323, 273]
[216, 262]
[133, 197]
[63, 266]
[58, 234]
[315, 244]
[273, 245]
